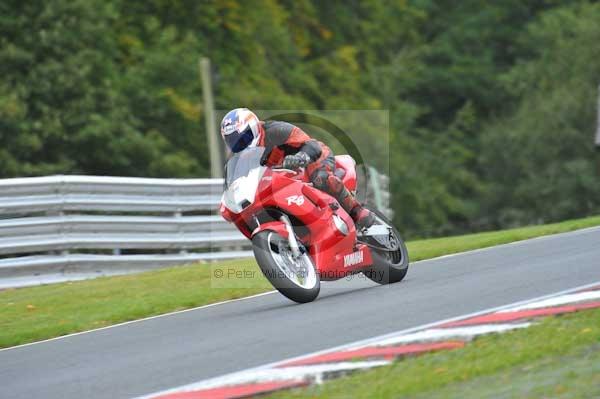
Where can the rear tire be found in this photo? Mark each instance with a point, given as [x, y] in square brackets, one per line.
[388, 266]
[270, 253]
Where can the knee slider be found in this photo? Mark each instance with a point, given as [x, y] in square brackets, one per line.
[334, 183]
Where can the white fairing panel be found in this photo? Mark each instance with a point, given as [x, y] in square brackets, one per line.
[243, 190]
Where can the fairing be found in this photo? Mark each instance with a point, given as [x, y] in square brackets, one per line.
[243, 176]
[335, 251]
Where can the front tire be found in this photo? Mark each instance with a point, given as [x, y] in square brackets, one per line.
[388, 266]
[296, 279]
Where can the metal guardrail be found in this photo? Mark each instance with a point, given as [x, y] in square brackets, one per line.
[99, 193]
[60, 228]
[127, 224]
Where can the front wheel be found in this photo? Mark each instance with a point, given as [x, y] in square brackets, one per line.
[295, 278]
[389, 266]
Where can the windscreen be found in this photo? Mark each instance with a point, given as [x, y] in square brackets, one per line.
[241, 163]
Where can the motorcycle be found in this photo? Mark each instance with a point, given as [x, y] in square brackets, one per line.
[300, 235]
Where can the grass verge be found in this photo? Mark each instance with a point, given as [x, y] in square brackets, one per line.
[558, 358]
[36, 313]
[431, 248]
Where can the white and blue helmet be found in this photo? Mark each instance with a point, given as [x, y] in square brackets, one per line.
[240, 129]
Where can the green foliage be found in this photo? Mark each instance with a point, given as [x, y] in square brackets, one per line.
[73, 98]
[548, 162]
[504, 97]
[492, 105]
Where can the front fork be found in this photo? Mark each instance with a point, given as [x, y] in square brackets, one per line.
[291, 236]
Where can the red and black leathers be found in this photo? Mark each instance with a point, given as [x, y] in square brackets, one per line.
[281, 139]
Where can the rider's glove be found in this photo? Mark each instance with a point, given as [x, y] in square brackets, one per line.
[298, 160]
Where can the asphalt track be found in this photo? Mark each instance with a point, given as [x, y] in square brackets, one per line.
[160, 353]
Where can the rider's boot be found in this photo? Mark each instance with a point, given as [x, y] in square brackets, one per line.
[363, 218]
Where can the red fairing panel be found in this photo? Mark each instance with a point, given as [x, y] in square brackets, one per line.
[335, 255]
[278, 227]
[347, 163]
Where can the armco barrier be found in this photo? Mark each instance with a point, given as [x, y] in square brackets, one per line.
[78, 226]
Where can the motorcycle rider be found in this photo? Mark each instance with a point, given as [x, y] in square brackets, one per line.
[291, 147]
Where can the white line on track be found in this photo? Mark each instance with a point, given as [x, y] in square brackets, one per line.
[562, 300]
[514, 243]
[292, 373]
[374, 341]
[436, 334]
[140, 320]
[518, 242]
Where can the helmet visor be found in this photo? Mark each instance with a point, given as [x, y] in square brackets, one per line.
[238, 141]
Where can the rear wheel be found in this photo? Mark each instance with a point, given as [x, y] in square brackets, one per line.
[391, 265]
[295, 278]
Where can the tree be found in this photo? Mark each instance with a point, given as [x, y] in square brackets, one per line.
[541, 158]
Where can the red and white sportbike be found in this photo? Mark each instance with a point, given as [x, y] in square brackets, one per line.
[301, 235]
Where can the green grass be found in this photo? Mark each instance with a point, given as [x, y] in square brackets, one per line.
[35, 313]
[558, 358]
[426, 249]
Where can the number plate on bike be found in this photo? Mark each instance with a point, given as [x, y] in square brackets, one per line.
[377, 230]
